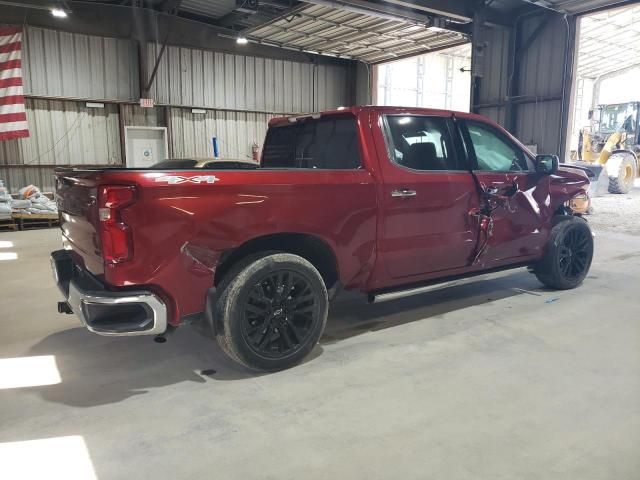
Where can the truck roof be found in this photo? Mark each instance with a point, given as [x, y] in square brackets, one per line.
[389, 110]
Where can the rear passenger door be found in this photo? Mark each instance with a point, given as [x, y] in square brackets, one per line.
[426, 197]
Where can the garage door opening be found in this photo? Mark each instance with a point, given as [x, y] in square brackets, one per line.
[605, 129]
[433, 80]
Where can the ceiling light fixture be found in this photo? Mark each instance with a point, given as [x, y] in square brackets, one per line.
[242, 41]
[58, 12]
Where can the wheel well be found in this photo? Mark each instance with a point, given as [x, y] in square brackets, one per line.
[562, 213]
[309, 247]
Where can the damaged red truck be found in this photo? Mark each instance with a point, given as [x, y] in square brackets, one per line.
[376, 199]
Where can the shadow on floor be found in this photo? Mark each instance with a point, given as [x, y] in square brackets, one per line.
[101, 370]
[355, 316]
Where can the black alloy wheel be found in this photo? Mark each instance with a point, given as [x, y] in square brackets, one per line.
[568, 254]
[270, 310]
[574, 253]
[279, 314]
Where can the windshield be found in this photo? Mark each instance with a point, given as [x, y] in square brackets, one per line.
[614, 118]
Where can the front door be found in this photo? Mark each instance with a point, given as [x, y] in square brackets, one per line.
[426, 197]
[503, 168]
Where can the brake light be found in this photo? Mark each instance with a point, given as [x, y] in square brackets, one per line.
[117, 241]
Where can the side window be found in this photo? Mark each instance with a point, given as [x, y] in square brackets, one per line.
[494, 152]
[326, 143]
[421, 143]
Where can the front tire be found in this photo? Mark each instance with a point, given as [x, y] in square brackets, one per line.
[272, 309]
[568, 256]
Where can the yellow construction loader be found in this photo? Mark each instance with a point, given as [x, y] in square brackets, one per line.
[610, 146]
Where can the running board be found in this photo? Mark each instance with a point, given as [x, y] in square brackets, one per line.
[385, 297]
[450, 281]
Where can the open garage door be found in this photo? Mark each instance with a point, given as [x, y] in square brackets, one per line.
[605, 134]
[433, 80]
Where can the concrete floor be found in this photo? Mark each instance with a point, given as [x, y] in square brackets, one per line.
[495, 378]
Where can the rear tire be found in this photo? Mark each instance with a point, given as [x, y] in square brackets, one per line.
[272, 309]
[568, 256]
[622, 182]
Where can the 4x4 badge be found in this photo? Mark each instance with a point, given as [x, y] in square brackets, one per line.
[176, 179]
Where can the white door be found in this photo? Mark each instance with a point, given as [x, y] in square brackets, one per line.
[145, 146]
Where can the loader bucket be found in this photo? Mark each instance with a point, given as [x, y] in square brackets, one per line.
[597, 176]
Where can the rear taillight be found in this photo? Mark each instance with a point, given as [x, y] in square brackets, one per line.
[117, 242]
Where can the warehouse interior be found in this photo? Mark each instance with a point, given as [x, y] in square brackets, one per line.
[493, 376]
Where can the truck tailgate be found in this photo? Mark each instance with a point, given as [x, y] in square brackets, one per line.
[77, 204]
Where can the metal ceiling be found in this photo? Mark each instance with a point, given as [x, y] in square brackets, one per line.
[367, 38]
[376, 31]
[208, 8]
[577, 6]
[609, 41]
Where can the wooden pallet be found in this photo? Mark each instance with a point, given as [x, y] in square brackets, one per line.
[8, 225]
[31, 221]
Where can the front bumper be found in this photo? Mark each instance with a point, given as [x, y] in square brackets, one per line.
[105, 312]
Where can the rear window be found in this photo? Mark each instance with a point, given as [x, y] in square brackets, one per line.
[175, 163]
[324, 143]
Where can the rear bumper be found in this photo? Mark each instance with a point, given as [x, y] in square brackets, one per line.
[105, 312]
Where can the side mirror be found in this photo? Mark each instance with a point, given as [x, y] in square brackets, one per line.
[547, 164]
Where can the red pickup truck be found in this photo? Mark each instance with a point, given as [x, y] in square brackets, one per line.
[377, 199]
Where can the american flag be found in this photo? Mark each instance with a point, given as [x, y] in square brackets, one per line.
[13, 119]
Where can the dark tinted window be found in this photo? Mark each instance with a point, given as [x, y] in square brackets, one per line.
[227, 165]
[175, 163]
[324, 143]
[421, 143]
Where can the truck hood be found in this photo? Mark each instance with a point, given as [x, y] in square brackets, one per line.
[569, 181]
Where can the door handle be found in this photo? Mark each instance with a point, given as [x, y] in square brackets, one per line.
[404, 193]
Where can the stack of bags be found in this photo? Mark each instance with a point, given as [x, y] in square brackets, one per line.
[33, 201]
[5, 202]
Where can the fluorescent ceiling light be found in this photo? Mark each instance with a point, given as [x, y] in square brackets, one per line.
[242, 40]
[58, 12]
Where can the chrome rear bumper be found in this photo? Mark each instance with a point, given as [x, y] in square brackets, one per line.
[105, 312]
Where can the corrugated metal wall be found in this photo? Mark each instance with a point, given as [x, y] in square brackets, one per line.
[364, 84]
[495, 74]
[61, 64]
[235, 131]
[542, 77]
[239, 92]
[200, 78]
[135, 115]
[537, 97]
[62, 133]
